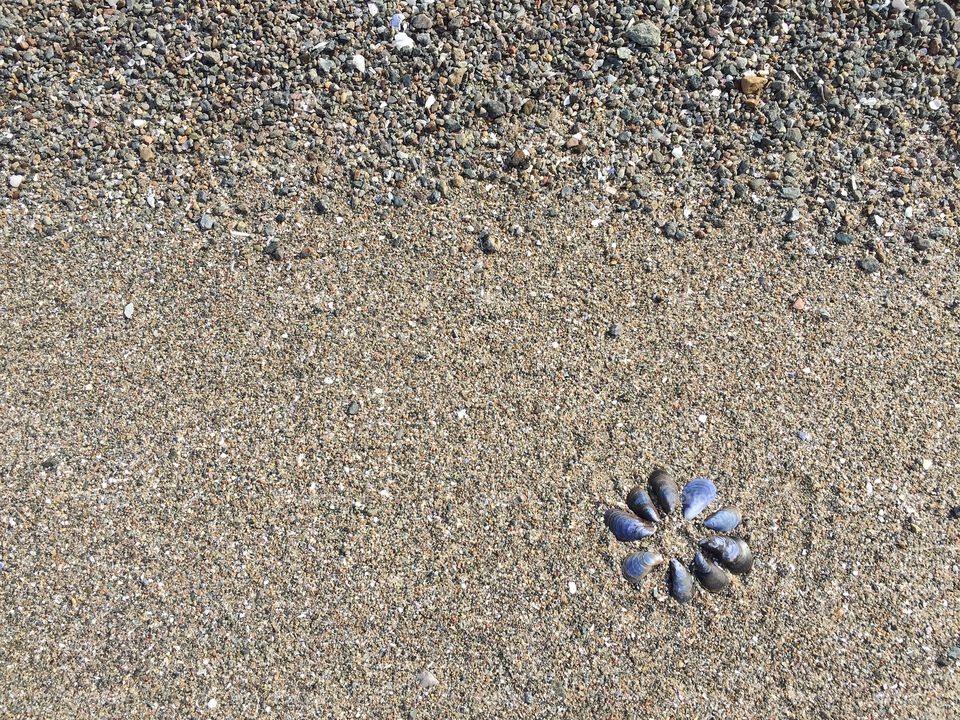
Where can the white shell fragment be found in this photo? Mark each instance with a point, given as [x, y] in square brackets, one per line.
[360, 63]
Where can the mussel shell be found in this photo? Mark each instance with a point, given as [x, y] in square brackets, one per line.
[681, 582]
[733, 553]
[713, 577]
[697, 494]
[639, 501]
[723, 520]
[664, 490]
[627, 527]
[636, 565]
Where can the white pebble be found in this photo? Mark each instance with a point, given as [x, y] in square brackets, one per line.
[572, 587]
[360, 63]
[15, 180]
[402, 41]
[128, 311]
[427, 679]
[926, 464]
[702, 419]
[212, 704]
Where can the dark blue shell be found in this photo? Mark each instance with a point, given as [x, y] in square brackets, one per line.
[681, 583]
[627, 527]
[711, 576]
[723, 520]
[639, 501]
[697, 494]
[636, 565]
[664, 490]
[733, 553]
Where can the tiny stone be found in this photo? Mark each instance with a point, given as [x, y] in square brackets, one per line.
[50, 463]
[752, 84]
[954, 513]
[495, 109]
[486, 244]
[427, 679]
[792, 215]
[869, 265]
[421, 22]
[128, 311]
[615, 331]
[353, 408]
[926, 463]
[206, 221]
[790, 193]
[320, 207]
[645, 34]
[843, 238]
[15, 181]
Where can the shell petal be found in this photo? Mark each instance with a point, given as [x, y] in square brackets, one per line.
[723, 520]
[697, 494]
[711, 576]
[733, 553]
[627, 527]
[637, 565]
[639, 501]
[681, 582]
[664, 490]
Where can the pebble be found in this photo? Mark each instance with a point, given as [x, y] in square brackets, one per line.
[487, 245]
[128, 311]
[752, 84]
[793, 214]
[427, 679]
[495, 109]
[645, 34]
[15, 181]
[843, 238]
[954, 513]
[615, 331]
[353, 408]
[869, 265]
[790, 193]
[207, 221]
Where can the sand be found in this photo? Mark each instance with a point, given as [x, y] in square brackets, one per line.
[194, 526]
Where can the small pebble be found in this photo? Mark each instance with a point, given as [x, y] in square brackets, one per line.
[353, 408]
[869, 265]
[206, 221]
[427, 679]
[487, 245]
[15, 181]
[128, 311]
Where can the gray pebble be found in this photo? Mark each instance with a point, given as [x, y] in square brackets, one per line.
[869, 265]
[843, 238]
[353, 408]
[207, 221]
[645, 34]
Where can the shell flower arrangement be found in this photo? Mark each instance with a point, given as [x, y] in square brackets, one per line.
[717, 555]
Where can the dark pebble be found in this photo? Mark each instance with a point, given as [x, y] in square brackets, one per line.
[843, 238]
[486, 244]
[869, 265]
[353, 408]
